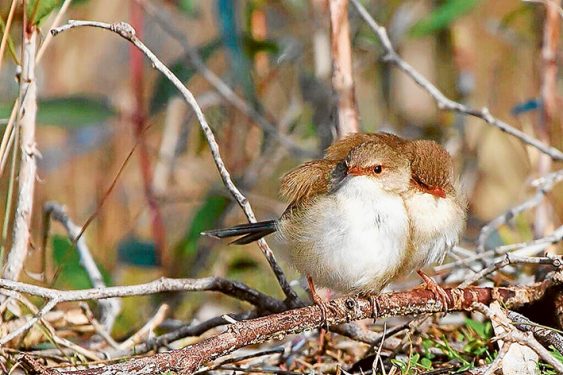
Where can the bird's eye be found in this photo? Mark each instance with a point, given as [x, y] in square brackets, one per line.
[377, 169]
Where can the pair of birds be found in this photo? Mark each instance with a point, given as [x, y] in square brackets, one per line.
[375, 208]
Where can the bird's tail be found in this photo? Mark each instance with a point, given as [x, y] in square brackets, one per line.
[247, 232]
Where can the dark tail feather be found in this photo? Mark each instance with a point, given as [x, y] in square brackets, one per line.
[249, 232]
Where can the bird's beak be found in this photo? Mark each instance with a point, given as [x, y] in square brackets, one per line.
[355, 171]
[436, 191]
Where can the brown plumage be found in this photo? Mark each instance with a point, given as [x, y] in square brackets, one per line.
[375, 207]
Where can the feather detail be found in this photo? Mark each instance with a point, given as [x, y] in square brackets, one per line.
[307, 181]
[341, 148]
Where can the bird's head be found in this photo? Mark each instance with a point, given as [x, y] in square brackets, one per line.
[381, 163]
[432, 168]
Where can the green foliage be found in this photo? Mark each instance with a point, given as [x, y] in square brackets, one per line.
[415, 362]
[546, 369]
[164, 89]
[70, 274]
[37, 10]
[188, 7]
[442, 16]
[74, 111]
[206, 217]
[10, 42]
[135, 252]
[253, 46]
[69, 112]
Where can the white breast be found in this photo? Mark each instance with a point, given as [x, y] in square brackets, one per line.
[352, 240]
[437, 224]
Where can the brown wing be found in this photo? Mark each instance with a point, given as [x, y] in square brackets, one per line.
[340, 149]
[307, 180]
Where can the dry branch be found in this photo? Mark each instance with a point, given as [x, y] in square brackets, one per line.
[128, 33]
[28, 164]
[110, 307]
[341, 310]
[234, 289]
[342, 74]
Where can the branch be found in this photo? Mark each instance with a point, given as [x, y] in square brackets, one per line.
[128, 33]
[110, 307]
[543, 187]
[340, 310]
[442, 101]
[28, 164]
[221, 86]
[516, 336]
[511, 259]
[230, 288]
[342, 75]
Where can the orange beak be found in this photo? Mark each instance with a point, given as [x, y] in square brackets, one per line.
[355, 171]
[436, 191]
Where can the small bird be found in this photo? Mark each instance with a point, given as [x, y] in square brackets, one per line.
[374, 208]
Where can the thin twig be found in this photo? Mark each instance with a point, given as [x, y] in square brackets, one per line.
[110, 307]
[545, 335]
[221, 86]
[233, 289]
[511, 259]
[49, 37]
[442, 101]
[547, 184]
[128, 33]
[6, 34]
[536, 245]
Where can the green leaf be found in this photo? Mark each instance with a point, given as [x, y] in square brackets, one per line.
[253, 46]
[37, 10]
[164, 90]
[483, 329]
[442, 17]
[70, 112]
[205, 218]
[187, 7]
[74, 111]
[11, 47]
[135, 252]
[71, 275]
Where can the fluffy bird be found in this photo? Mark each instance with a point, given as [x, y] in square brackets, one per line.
[376, 207]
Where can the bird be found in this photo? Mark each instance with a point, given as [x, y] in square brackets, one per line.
[374, 208]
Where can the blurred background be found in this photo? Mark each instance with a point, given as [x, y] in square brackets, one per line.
[100, 102]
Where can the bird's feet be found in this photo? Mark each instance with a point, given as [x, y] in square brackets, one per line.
[318, 300]
[436, 289]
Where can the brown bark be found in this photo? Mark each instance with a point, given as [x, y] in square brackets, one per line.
[341, 310]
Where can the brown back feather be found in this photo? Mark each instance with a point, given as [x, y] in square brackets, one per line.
[307, 180]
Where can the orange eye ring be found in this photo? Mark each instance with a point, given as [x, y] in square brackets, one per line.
[377, 169]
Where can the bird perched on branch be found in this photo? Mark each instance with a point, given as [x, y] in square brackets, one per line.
[376, 207]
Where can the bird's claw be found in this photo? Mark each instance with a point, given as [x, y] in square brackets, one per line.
[436, 289]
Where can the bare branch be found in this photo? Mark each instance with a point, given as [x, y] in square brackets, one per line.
[511, 259]
[514, 335]
[28, 164]
[110, 307]
[546, 184]
[442, 101]
[342, 74]
[221, 86]
[233, 289]
[128, 33]
[341, 310]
